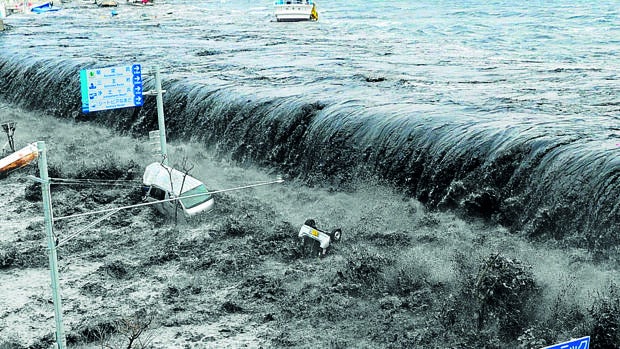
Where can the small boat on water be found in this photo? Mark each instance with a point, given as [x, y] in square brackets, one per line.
[296, 10]
[44, 7]
[12, 6]
[106, 3]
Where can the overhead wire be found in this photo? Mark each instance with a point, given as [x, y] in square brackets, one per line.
[167, 200]
[92, 224]
[109, 212]
[102, 182]
[95, 180]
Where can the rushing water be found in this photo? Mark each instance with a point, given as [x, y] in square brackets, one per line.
[503, 109]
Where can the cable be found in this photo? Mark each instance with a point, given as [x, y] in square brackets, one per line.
[94, 180]
[102, 182]
[167, 200]
[96, 184]
[95, 222]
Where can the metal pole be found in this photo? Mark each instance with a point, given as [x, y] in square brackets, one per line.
[51, 244]
[160, 117]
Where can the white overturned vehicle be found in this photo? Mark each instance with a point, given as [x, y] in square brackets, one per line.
[164, 185]
[310, 232]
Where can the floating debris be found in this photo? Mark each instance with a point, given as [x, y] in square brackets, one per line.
[19, 159]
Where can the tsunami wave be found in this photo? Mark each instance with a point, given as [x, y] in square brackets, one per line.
[545, 178]
[460, 108]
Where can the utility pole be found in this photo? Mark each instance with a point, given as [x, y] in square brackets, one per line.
[160, 117]
[51, 244]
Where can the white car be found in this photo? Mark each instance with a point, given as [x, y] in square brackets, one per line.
[324, 238]
[162, 184]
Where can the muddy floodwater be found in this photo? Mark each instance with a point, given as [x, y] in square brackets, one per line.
[469, 152]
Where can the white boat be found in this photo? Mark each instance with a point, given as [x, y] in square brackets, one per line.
[296, 10]
[9, 7]
[106, 3]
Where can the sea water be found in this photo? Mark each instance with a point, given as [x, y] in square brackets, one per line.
[507, 110]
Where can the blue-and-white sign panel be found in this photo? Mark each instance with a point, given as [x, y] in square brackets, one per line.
[580, 343]
[111, 88]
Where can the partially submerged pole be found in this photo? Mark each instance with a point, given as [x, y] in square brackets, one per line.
[51, 245]
[160, 117]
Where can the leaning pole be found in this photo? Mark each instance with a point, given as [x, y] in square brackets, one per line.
[51, 245]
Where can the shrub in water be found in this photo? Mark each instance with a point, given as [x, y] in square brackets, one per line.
[494, 299]
[606, 314]
[503, 288]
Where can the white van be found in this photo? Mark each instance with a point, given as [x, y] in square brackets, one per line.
[161, 182]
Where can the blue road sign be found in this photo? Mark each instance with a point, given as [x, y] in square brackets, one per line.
[580, 343]
[111, 88]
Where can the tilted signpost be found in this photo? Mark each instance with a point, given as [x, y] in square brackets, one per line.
[101, 89]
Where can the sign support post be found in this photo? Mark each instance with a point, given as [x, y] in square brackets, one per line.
[160, 117]
[51, 243]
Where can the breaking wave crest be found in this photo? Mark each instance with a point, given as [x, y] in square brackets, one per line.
[548, 177]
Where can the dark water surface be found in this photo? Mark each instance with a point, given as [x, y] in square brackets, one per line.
[501, 109]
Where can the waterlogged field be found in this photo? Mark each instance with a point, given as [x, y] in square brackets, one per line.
[402, 276]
